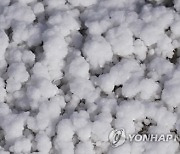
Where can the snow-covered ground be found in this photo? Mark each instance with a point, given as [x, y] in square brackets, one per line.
[71, 71]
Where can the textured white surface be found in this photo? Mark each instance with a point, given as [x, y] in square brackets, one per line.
[71, 71]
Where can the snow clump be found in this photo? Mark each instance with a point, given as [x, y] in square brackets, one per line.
[71, 71]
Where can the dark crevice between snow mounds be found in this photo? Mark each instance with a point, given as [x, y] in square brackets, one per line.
[166, 3]
[9, 33]
[38, 51]
[83, 31]
[175, 57]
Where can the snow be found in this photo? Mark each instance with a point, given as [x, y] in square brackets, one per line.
[13, 126]
[43, 143]
[17, 13]
[86, 89]
[86, 147]
[82, 3]
[175, 28]
[150, 34]
[21, 146]
[157, 71]
[4, 43]
[97, 51]
[71, 71]
[177, 5]
[65, 130]
[78, 67]
[38, 8]
[170, 92]
[119, 74]
[100, 130]
[146, 88]
[121, 39]
[140, 49]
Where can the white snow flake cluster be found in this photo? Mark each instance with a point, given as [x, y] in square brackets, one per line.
[73, 70]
